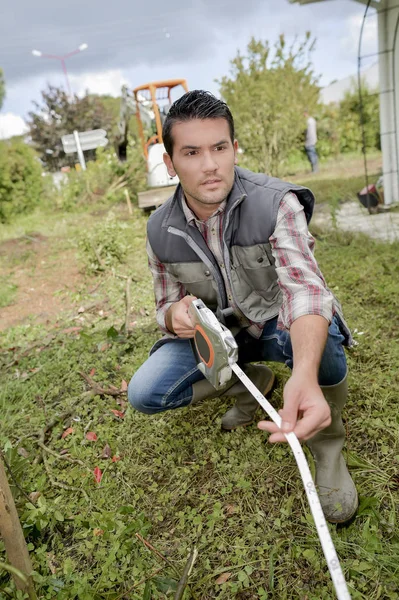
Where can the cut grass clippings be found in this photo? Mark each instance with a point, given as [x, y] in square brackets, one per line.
[175, 479]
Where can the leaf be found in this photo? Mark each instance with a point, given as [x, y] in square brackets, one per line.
[91, 436]
[147, 591]
[223, 578]
[97, 474]
[58, 515]
[165, 584]
[98, 532]
[118, 413]
[123, 386]
[115, 458]
[107, 452]
[112, 333]
[34, 497]
[92, 372]
[67, 432]
[22, 452]
[72, 330]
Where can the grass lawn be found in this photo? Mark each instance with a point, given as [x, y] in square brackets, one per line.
[176, 480]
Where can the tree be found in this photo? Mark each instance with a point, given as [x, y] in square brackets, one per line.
[268, 91]
[21, 181]
[58, 115]
[350, 115]
[2, 88]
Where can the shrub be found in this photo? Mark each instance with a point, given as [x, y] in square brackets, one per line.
[21, 182]
[104, 180]
[104, 246]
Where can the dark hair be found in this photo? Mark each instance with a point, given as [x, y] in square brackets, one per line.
[197, 104]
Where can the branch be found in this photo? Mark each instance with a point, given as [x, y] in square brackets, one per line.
[63, 486]
[186, 574]
[128, 303]
[98, 389]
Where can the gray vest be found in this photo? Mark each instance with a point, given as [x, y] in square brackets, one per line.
[250, 219]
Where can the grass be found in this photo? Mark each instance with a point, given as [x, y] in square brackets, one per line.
[8, 291]
[177, 480]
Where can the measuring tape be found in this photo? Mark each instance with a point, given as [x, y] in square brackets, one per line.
[216, 352]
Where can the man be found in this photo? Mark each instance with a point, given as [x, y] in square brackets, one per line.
[311, 141]
[240, 242]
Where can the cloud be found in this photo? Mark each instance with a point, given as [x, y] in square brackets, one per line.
[105, 82]
[350, 42]
[10, 125]
[121, 33]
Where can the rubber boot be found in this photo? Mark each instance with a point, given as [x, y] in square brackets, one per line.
[204, 390]
[337, 492]
[243, 413]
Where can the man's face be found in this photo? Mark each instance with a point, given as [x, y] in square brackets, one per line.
[203, 158]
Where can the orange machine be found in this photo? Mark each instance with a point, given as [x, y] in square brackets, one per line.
[157, 97]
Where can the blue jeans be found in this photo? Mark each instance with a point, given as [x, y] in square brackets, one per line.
[165, 380]
[312, 156]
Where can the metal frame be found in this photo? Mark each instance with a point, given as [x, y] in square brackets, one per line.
[157, 90]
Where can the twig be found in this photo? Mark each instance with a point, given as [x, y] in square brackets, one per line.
[98, 389]
[186, 574]
[63, 486]
[150, 547]
[129, 204]
[136, 585]
[75, 461]
[8, 467]
[128, 303]
[42, 343]
[168, 562]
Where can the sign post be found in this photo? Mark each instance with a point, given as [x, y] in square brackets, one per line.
[79, 151]
[84, 140]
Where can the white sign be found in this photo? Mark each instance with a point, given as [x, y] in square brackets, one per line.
[88, 140]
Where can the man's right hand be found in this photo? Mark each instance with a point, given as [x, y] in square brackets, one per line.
[177, 319]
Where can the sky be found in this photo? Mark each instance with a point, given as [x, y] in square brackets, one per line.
[131, 42]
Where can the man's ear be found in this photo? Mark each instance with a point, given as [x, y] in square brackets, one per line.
[235, 152]
[169, 165]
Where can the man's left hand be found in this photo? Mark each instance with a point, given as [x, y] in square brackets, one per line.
[305, 410]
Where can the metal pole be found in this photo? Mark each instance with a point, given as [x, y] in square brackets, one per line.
[63, 63]
[79, 150]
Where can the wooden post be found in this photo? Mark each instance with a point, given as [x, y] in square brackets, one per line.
[13, 537]
[128, 202]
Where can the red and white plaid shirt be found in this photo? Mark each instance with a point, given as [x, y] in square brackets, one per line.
[301, 282]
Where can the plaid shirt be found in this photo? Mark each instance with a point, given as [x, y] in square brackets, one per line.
[301, 282]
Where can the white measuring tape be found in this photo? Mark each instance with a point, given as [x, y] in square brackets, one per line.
[327, 544]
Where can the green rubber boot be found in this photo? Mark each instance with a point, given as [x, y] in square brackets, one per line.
[337, 492]
[243, 413]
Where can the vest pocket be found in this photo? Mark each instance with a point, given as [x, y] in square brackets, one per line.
[251, 257]
[197, 280]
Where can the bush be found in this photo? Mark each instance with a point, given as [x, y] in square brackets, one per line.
[104, 180]
[21, 184]
[104, 246]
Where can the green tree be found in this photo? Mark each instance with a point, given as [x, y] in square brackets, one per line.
[58, 115]
[350, 114]
[267, 92]
[2, 88]
[21, 181]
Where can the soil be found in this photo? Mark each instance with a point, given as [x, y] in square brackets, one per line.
[43, 278]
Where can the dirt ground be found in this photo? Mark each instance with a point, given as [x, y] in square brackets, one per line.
[43, 278]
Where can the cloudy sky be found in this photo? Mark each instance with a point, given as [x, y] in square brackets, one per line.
[135, 42]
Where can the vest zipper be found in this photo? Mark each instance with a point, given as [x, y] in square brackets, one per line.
[227, 254]
[201, 254]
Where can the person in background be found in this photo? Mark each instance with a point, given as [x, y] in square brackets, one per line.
[311, 141]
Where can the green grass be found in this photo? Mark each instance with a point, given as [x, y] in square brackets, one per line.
[8, 292]
[180, 481]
